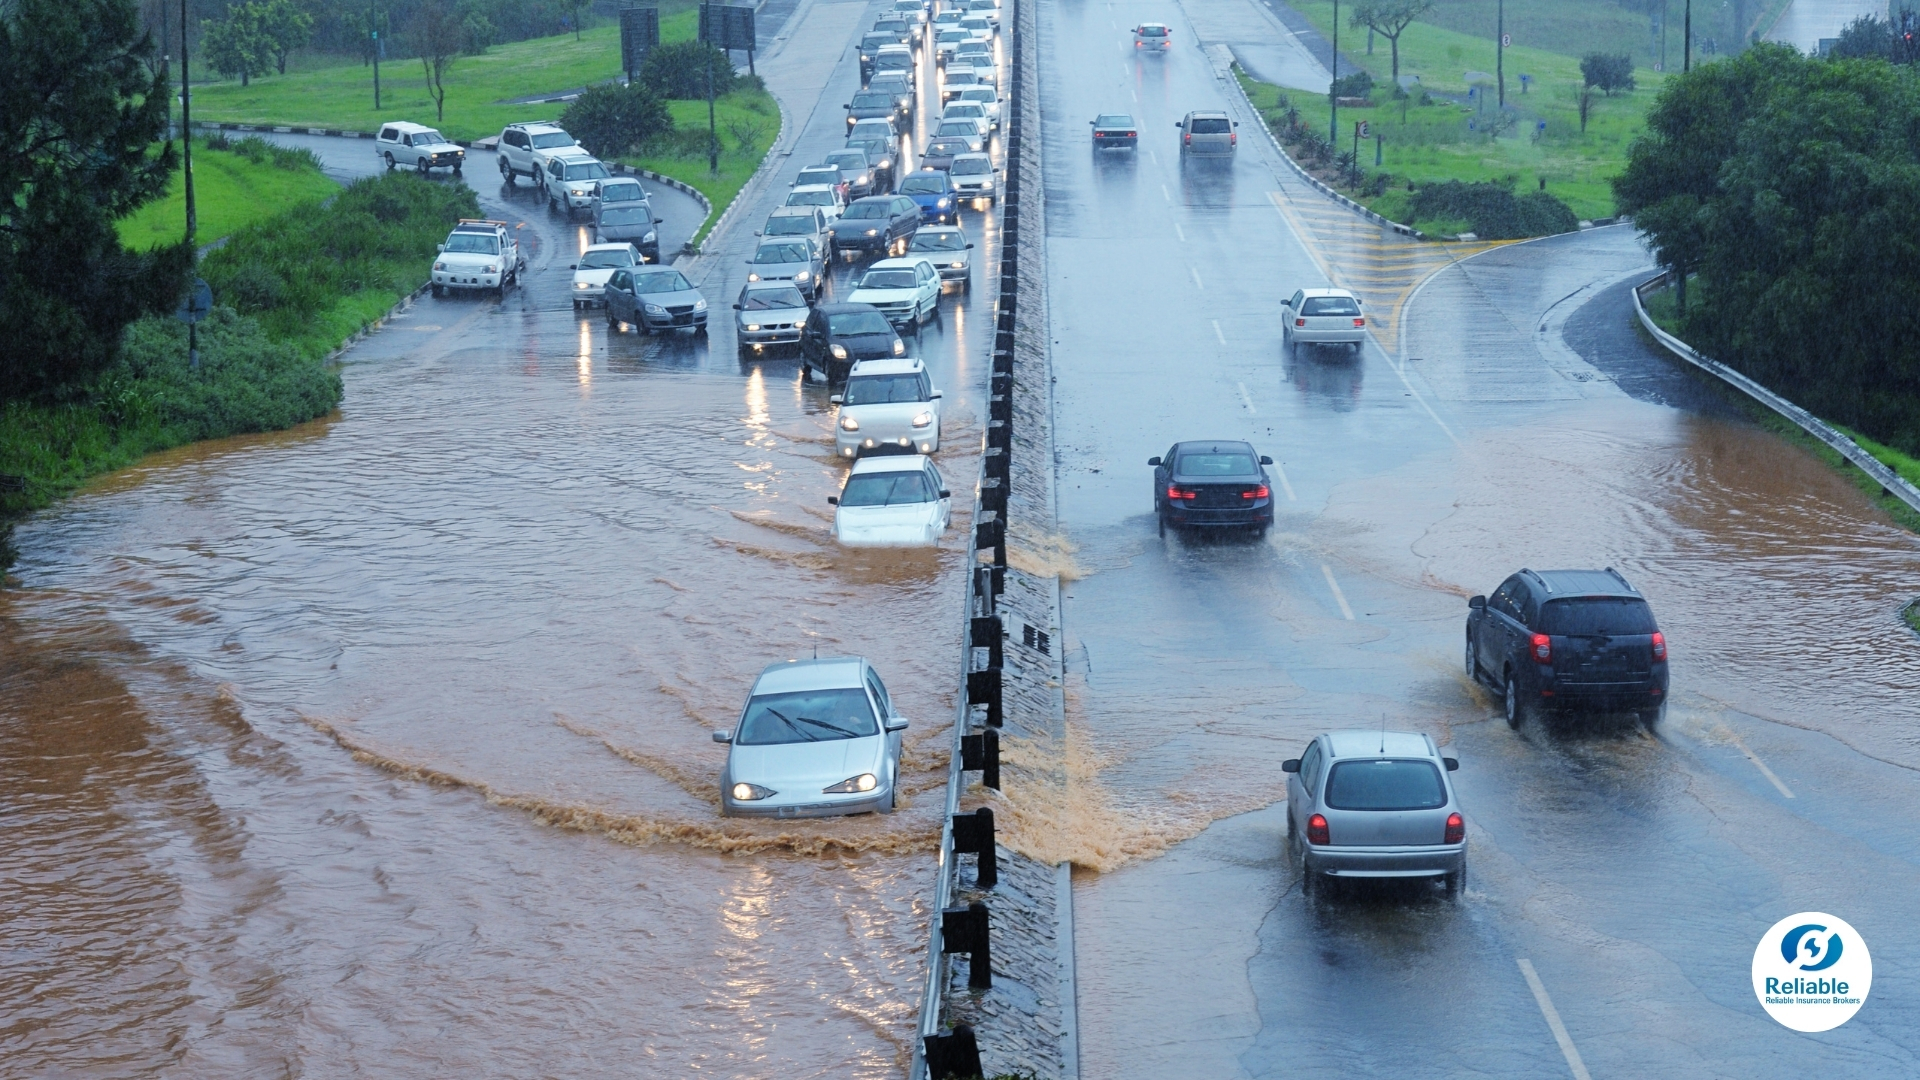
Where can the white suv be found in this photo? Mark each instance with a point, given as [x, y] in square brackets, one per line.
[572, 180]
[887, 403]
[423, 148]
[524, 148]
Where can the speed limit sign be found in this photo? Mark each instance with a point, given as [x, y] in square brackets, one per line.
[1506, 41]
[1363, 130]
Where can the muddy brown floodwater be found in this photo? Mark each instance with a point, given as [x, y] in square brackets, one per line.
[381, 746]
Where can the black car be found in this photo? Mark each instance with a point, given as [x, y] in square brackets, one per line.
[1558, 640]
[877, 223]
[1114, 131]
[873, 105]
[870, 47]
[837, 335]
[940, 153]
[1212, 485]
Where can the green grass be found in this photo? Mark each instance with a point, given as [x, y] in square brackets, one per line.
[751, 113]
[230, 192]
[1912, 614]
[1576, 27]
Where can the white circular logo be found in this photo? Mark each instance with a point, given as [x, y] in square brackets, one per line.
[1812, 971]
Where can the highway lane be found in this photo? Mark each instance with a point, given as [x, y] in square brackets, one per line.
[1634, 874]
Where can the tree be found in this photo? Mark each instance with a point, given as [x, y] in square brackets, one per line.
[80, 111]
[611, 120]
[574, 9]
[436, 36]
[285, 28]
[1607, 73]
[680, 70]
[1389, 19]
[238, 44]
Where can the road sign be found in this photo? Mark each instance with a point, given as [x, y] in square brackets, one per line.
[639, 35]
[1506, 41]
[727, 26]
[1361, 129]
[198, 302]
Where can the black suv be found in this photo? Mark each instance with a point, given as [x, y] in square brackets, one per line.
[1555, 640]
[1212, 485]
[836, 335]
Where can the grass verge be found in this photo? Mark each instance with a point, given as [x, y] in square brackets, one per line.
[232, 189]
[1912, 614]
[747, 122]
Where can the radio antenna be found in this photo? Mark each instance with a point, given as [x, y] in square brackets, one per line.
[1383, 732]
[816, 650]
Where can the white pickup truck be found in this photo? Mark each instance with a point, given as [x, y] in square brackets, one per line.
[479, 255]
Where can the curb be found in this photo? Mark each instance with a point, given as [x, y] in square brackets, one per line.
[1891, 483]
[366, 331]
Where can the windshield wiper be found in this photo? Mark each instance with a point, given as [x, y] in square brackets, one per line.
[829, 727]
[791, 726]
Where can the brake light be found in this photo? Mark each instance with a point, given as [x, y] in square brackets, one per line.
[1542, 649]
[1456, 829]
[1317, 830]
[1659, 645]
[1260, 492]
[1174, 492]
[1233, 138]
[1133, 134]
[1188, 138]
[1359, 323]
[1299, 322]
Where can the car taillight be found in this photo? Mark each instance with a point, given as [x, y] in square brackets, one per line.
[1233, 138]
[1180, 493]
[1299, 322]
[1542, 649]
[1133, 134]
[1456, 829]
[1659, 645]
[1189, 139]
[1317, 830]
[1359, 323]
[1260, 492]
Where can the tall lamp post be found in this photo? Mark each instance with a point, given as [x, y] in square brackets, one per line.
[1500, 58]
[1333, 93]
[186, 165]
[1686, 40]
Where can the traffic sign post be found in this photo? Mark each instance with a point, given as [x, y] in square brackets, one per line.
[639, 35]
[1361, 130]
[723, 26]
[196, 305]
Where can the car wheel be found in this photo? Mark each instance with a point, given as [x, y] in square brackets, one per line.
[701, 330]
[389, 157]
[506, 172]
[438, 292]
[1651, 718]
[1473, 664]
[1516, 707]
[613, 324]
[421, 164]
[1456, 883]
[500, 291]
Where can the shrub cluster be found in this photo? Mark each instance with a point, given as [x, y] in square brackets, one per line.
[680, 70]
[1494, 211]
[611, 120]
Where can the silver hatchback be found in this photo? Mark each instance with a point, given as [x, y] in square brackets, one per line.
[817, 738]
[1375, 804]
[1204, 133]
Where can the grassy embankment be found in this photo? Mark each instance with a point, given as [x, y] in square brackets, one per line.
[231, 190]
[478, 87]
[288, 289]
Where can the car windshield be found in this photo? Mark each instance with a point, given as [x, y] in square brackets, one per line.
[807, 716]
[961, 77]
[602, 260]
[587, 170]
[865, 211]
[1329, 305]
[874, 41]
[765, 299]
[895, 60]
[848, 159]
[547, 140]
[975, 48]
[789, 225]
[427, 138]
[970, 166]
[1114, 120]
[873, 101]
[1385, 785]
[925, 240]
[965, 110]
[621, 193]
[982, 94]
[882, 389]
[886, 279]
[660, 281]
[1597, 617]
[810, 198]
[854, 323]
[781, 253]
[924, 185]
[888, 489]
[892, 84]
[946, 148]
[626, 215]
[1210, 125]
[874, 149]
[1217, 464]
[955, 35]
[473, 244]
[957, 127]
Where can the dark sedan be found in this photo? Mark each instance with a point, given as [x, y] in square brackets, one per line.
[873, 105]
[837, 335]
[940, 153]
[1212, 485]
[878, 223]
[1115, 131]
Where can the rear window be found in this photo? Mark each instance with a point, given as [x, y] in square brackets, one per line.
[1596, 617]
[887, 279]
[1203, 125]
[926, 240]
[902, 61]
[1385, 785]
[1114, 120]
[612, 193]
[888, 489]
[1329, 305]
[1153, 31]
[1217, 465]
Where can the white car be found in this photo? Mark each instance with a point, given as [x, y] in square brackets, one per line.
[948, 17]
[413, 145]
[887, 403]
[969, 110]
[985, 71]
[1322, 317]
[974, 131]
[523, 149]
[1152, 37]
[906, 290]
[478, 255]
[949, 39]
[948, 247]
[894, 501]
[817, 738]
[972, 177]
[825, 197]
[986, 97]
[989, 9]
[979, 26]
[572, 180]
[596, 265]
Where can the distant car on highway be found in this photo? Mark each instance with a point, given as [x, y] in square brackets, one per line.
[1553, 641]
[622, 211]
[941, 153]
[1375, 804]
[478, 255]
[596, 265]
[972, 176]
[979, 26]
[856, 172]
[791, 260]
[888, 403]
[873, 105]
[948, 247]
[911, 10]
[974, 131]
[818, 738]
[1115, 131]
[906, 290]
[653, 299]
[1322, 317]
[1152, 37]
[986, 97]
[870, 45]
[907, 31]
[571, 180]
[893, 501]
[804, 222]
[1205, 133]
[895, 60]
[933, 193]
[948, 39]
[769, 313]
[837, 336]
[958, 78]
[417, 147]
[963, 109]
[901, 87]
[824, 197]
[1212, 485]
[878, 223]
[523, 149]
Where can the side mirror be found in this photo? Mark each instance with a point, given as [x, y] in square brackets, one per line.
[756, 232]
[969, 247]
[935, 396]
[1452, 763]
[1477, 603]
[833, 500]
[1091, 121]
[1154, 461]
[945, 494]
[736, 307]
[723, 736]
[834, 399]
[662, 221]
[1291, 765]
[1178, 124]
[1265, 460]
[849, 105]
[896, 723]
[443, 247]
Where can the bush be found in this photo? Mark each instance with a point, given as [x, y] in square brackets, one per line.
[1493, 210]
[680, 70]
[1359, 85]
[1607, 73]
[611, 120]
[247, 382]
[261, 152]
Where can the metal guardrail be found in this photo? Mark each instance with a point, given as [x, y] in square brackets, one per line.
[1890, 482]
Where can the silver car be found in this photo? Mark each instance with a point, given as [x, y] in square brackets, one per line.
[804, 222]
[1375, 804]
[1207, 133]
[817, 738]
[973, 131]
[1322, 317]
[797, 261]
[948, 247]
[769, 313]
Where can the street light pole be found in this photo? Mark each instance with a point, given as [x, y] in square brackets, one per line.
[1686, 40]
[1333, 94]
[1500, 57]
[373, 27]
[186, 166]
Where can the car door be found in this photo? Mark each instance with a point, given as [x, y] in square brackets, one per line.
[1300, 788]
[929, 285]
[906, 217]
[619, 296]
[1500, 627]
[811, 348]
[878, 691]
[1161, 474]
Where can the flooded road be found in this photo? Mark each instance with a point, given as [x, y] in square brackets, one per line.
[381, 746]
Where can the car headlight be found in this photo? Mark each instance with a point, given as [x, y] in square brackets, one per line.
[851, 121]
[848, 423]
[699, 305]
[987, 183]
[581, 285]
[496, 268]
[753, 275]
[961, 265]
[753, 326]
[865, 178]
[866, 781]
[839, 352]
[656, 309]
[750, 792]
[899, 347]
[873, 232]
[650, 237]
[802, 276]
[923, 419]
[439, 266]
[579, 191]
[941, 203]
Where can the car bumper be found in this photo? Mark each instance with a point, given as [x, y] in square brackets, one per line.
[671, 321]
[955, 273]
[854, 443]
[595, 295]
[785, 336]
[1328, 337]
[450, 279]
[863, 243]
[973, 192]
[1226, 517]
[1423, 860]
[865, 802]
[1626, 696]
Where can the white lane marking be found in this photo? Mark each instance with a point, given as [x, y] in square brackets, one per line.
[1553, 1020]
[1247, 400]
[1155, 158]
[1223, 341]
[1182, 233]
[1345, 609]
[1196, 279]
[1284, 486]
[1757, 763]
[1165, 194]
[1135, 93]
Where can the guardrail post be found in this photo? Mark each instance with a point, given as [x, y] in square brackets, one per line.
[982, 752]
[973, 833]
[952, 1057]
[988, 633]
[965, 930]
[983, 688]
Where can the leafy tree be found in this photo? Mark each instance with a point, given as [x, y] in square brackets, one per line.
[1357, 85]
[574, 10]
[1607, 73]
[80, 110]
[680, 70]
[477, 31]
[238, 45]
[437, 38]
[285, 28]
[611, 120]
[1389, 19]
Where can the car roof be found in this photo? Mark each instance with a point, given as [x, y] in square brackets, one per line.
[884, 49]
[1363, 743]
[622, 180]
[814, 187]
[531, 126]
[905, 262]
[843, 308]
[1326, 292]
[940, 230]
[572, 154]
[406, 126]
[825, 673]
[902, 365]
[1216, 446]
[888, 199]
[973, 154]
[609, 246]
[1564, 583]
[873, 463]
[811, 213]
